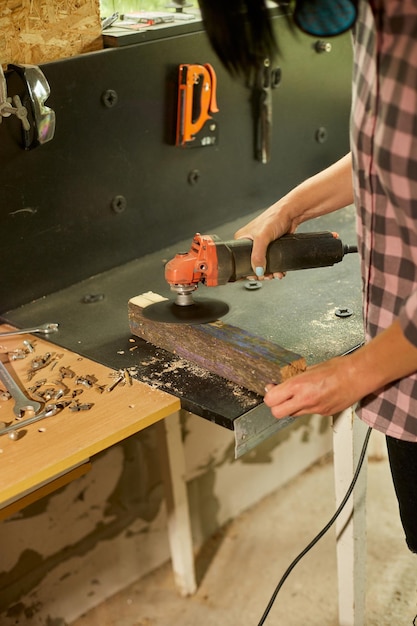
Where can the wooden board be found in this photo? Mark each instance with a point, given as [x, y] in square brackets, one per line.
[55, 445]
[226, 350]
[38, 31]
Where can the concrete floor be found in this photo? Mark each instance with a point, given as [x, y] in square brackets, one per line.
[240, 567]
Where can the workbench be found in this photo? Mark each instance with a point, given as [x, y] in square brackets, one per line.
[98, 409]
[297, 312]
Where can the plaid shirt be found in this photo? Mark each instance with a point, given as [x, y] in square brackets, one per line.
[384, 152]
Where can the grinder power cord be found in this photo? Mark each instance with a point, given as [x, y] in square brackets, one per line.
[322, 532]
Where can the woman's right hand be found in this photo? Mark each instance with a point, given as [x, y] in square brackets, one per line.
[263, 229]
[323, 193]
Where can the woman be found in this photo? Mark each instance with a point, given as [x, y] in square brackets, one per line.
[380, 177]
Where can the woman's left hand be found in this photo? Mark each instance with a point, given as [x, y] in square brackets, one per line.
[326, 389]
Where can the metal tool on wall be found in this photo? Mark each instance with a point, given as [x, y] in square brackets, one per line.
[197, 102]
[37, 119]
[265, 79]
[11, 106]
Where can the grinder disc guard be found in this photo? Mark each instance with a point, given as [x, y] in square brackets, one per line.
[201, 311]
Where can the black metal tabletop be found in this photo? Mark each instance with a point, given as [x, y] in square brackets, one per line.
[297, 312]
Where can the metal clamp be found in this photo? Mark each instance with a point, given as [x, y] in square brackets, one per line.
[6, 107]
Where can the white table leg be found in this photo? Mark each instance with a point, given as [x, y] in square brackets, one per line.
[349, 434]
[179, 524]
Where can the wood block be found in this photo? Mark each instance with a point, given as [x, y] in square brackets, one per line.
[247, 360]
[38, 31]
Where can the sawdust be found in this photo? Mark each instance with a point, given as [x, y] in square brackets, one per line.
[162, 377]
[178, 376]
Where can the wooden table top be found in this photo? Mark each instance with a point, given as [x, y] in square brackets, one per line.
[52, 446]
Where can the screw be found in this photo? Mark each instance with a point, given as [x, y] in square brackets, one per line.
[91, 298]
[321, 134]
[66, 372]
[252, 285]
[323, 46]
[194, 177]
[119, 204]
[276, 77]
[343, 312]
[109, 98]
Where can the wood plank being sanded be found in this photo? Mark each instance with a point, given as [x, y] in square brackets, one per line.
[247, 360]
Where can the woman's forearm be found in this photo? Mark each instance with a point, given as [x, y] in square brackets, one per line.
[323, 193]
[334, 385]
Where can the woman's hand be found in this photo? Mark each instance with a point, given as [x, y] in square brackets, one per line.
[326, 389]
[270, 225]
[334, 385]
[323, 193]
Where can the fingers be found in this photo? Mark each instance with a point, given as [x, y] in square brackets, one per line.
[258, 257]
[299, 395]
[326, 388]
[259, 247]
[281, 401]
[262, 231]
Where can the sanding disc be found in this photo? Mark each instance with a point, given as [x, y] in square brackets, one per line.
[201, 311]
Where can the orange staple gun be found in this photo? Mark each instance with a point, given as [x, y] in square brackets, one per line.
[196, 104]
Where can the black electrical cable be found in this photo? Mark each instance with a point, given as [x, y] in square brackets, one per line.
[322, 532]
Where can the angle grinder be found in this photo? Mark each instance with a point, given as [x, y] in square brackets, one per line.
[213, 262]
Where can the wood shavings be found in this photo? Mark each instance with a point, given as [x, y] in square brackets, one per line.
[36, 31]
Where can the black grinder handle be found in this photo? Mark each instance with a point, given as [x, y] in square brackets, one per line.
[291, 252]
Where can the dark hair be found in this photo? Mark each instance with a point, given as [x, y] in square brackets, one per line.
[240, 32]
